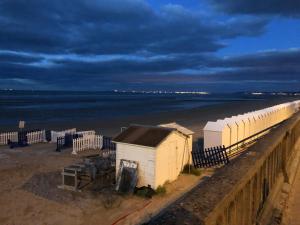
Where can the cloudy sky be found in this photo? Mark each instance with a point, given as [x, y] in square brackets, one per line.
[203, 45]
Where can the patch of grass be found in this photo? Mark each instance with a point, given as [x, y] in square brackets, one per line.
[190, 169]
[144, 192]
[167, 182]
[161, 190]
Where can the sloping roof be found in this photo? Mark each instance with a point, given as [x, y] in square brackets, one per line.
[143, 135]
[213, 126]
[178, 127]
[220, 125]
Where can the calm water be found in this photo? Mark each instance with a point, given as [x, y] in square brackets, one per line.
[37, 106]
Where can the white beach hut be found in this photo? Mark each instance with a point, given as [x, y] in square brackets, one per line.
[287, 110]
[252, 124]
[240, 127]
[182, 130]
[292, 108]
[213, 134]
[282, 113]
[258, 122]
[161, 152]
[264, 119]
[297, 105]
[249, 120]
[245, 126]
[271, 120]
[219, 133]
[273, 115]
[277, 116]
[233, 130]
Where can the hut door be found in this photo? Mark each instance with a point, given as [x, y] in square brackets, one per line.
[150, 173]
[172, 161]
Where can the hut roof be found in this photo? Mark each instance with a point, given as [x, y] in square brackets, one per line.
[150, 136]
[178, 127]
[215, 126]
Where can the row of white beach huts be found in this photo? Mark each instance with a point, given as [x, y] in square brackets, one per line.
[229, 131]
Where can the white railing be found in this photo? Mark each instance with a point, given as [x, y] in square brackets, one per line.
[4, 137]
[56, 134]
[36, 137]
[86, 133]
[86, 143]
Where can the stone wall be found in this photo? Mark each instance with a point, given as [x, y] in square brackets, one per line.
[243, 192]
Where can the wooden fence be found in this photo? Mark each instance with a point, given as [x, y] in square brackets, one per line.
[4, 137]
[86, 133]
[36, 137]
[66, 141]
[56, 134]
[87, 142]
[108, 144]
[210, 157]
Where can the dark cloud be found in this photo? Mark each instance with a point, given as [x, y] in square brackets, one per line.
[9, 57]
[258, 7]
[106, 68]
[110, 27]
[265, 67]
[272, 66]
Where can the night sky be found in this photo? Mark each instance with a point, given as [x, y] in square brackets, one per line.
[193, 45]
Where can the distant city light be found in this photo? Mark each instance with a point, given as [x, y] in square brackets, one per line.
[164, 92]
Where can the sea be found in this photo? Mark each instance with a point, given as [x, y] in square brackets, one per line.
[41, 106]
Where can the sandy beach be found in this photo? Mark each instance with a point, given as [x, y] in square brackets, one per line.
[29, 193]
